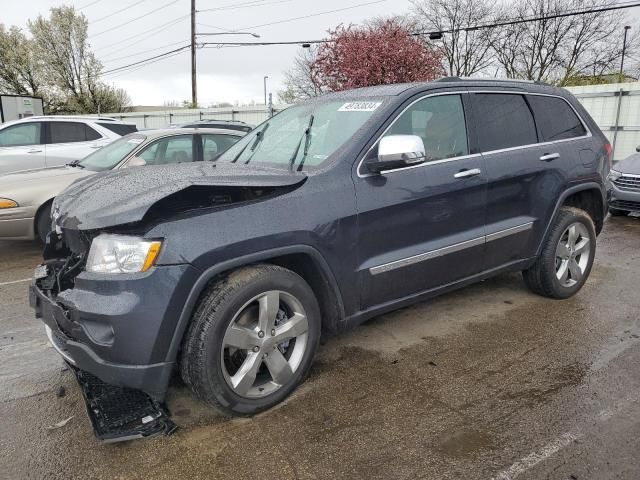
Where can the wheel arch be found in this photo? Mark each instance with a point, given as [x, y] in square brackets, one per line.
[304, 260]
[588, 197]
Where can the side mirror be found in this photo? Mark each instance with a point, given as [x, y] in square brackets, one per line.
[638, 149]
[135, 162]
[397, 151]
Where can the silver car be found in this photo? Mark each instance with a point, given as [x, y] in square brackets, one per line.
[25, 197]
[624, 186]
[52, 141]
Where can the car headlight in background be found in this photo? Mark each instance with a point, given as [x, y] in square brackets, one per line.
[614, 175]
[122, 254]
[8, 203]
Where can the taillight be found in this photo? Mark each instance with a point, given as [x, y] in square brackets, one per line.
[609, 150]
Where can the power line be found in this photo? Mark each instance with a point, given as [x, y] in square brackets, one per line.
[295, 42]
[154, 31]
[134, 19]
[505, 23]
[116, 12]
[155, 57]
[88, 4]
[326, 12]
[144, 51]
[253, 3]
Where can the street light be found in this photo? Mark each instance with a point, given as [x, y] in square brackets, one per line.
[265, 88]
[624, 51]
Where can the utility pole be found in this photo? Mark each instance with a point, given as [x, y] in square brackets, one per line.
[624, 51]
[194, 83]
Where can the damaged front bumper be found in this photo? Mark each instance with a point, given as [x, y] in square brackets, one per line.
[116, 333]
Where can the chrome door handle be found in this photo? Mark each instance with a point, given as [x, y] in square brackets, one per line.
[468, 173]
[34, 150]
[547, 157]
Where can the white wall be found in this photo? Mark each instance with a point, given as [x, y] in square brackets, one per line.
[602, 101]
[161, 119]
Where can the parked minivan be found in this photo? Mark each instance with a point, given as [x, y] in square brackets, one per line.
[334, 211]
[52, 141]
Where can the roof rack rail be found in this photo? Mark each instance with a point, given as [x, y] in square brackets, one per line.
[486, 79]
[76, 117]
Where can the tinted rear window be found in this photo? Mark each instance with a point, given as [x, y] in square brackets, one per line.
[503, 121]
[70, 132]
[119, 128]
[556, 119]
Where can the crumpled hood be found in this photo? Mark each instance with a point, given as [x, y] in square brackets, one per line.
[124, 196]
[631, 165]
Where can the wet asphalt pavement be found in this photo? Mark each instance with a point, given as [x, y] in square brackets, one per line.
[488, 382]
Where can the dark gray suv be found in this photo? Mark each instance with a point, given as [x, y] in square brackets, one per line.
[331, 212]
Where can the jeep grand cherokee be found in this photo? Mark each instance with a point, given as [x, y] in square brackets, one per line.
[335, 210]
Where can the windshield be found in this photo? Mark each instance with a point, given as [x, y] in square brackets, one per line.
[302, 137]
[110, 155]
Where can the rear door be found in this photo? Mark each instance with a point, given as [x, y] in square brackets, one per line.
[422, 226]
[22, 147]
[525, 174]
[68, 141]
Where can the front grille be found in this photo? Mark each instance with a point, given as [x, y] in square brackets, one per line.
[628, 183]
[624, 205]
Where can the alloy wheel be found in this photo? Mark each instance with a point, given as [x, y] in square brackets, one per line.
[572, 254]
[264, 344]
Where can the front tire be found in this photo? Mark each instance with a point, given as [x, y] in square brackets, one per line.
[567, 256]
[43, 223]
[251, 340]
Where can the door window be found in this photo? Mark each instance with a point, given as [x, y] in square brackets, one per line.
[440, 122]
[213, 145]
[23, 134]
[503, 121]
[71, 132]
[175, 149]
[556, 119]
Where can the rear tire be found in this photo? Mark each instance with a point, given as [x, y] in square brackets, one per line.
[251, 340]
[566, 258]
[43, 223]
[618, 213]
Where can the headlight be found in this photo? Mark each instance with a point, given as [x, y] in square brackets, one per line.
[8, 203]
[121, 254]
[614, 175]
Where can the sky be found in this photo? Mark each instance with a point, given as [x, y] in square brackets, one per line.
[232, 74]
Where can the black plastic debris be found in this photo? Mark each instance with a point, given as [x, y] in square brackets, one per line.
[120, 414]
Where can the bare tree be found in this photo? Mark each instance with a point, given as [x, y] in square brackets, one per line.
[557, 50]
[464, 53]
[299, 81]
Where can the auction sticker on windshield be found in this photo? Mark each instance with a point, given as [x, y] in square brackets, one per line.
[359, 106]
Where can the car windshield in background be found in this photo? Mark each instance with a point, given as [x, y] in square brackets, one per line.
[302, 137]
[110, 155]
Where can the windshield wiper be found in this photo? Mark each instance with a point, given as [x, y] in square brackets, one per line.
[256, 142]
[307, 142]
[253, 146]
[75, 163]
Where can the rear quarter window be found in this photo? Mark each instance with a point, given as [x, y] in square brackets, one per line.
[119, 128]
[503, 121]
[556, 119]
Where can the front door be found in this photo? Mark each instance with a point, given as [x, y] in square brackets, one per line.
[422, 226]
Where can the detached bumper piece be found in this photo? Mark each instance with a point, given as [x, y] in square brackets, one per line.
[120, 414]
